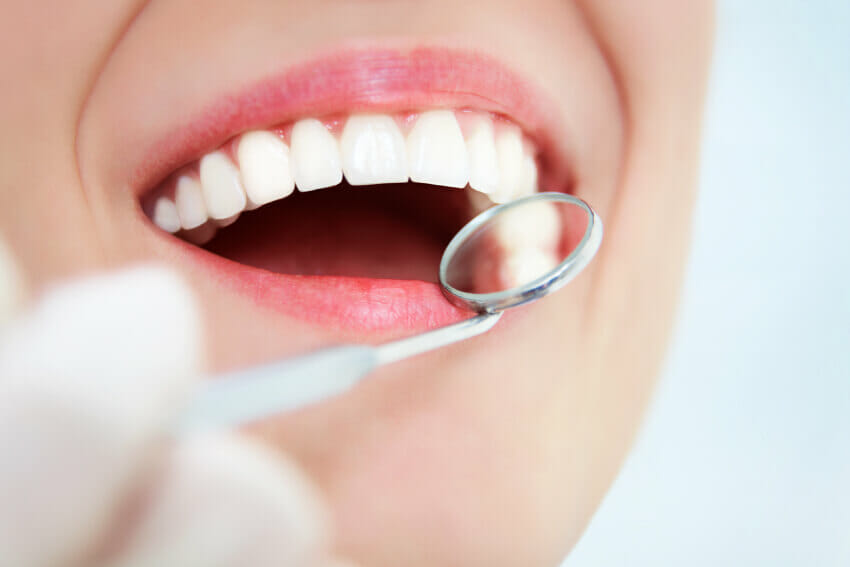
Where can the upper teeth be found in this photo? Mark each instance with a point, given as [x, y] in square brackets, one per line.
[315, 156]
[222, 186]
[190, 202]
[264, 161]
[482, 157]
[372, 148]
[437, 151]
[439, 147]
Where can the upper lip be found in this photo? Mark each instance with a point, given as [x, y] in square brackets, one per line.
[375, 79]
[344, 81]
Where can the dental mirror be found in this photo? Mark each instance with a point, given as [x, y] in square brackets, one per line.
[506, 256]
[520, 251]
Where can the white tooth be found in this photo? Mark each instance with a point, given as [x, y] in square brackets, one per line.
[202, 234]
[436, 152]
[264, 163]
[528, 238]
[315, 156]
[528, 180]
[190, 202]
[165, 215]
[221, 223]
[509, 151]
[483, 160]
[373, 150]
[221, 186]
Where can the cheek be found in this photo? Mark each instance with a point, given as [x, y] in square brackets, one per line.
[44, 212]
[45, 217]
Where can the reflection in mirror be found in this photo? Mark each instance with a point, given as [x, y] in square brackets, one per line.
[517, 246]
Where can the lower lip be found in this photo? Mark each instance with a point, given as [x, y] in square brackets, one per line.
[354, 305]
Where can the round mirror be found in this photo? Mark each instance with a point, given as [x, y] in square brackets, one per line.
[517, 252]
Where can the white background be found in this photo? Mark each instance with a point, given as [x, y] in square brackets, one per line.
[744, 458]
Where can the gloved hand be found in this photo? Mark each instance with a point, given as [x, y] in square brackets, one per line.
[91, 379]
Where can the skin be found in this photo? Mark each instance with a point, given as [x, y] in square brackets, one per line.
[493, 452]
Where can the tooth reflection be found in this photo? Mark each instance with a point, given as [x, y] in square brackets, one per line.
[520, 267]
[521, 245]
[531, 226]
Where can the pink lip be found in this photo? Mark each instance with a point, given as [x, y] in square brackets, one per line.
[363, 306]
[381, 79]
[364, 79]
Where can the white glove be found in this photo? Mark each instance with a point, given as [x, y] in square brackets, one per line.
[91, 380]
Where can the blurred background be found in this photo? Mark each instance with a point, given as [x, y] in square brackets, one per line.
[744, 458]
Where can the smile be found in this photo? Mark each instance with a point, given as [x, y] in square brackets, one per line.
[333, 204]
[341, 177]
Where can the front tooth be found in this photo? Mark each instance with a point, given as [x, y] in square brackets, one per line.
[528, 178]
[509, 151]
[483, 160]
[264, 163]
[221, 185]
[436, 151]
[315, 156]
[202, 234]
[373, 150]
[165, 215]
[221, 223]
[190, 202]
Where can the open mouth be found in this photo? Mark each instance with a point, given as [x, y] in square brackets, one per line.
[344, 216]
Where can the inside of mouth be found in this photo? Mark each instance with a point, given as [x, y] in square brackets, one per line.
[337, 197]
[394, 231]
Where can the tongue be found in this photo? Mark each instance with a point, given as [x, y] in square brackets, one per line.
[385, 231]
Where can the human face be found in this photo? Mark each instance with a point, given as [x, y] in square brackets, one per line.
[492, 452]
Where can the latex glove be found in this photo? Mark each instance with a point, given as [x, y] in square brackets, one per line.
[91, 380]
